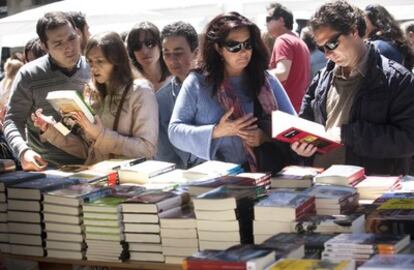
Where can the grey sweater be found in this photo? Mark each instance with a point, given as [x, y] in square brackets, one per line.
[30, 87]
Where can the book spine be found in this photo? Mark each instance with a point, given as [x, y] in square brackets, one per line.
[197, 264]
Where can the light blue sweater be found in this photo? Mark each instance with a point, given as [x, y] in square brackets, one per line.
[197, 111]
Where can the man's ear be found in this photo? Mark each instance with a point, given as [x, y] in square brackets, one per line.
[44, 46]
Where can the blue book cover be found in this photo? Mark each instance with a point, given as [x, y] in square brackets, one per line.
[12, 178]
[32, 190]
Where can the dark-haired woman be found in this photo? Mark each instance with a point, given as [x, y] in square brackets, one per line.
[127, 121]
[144, 50]
[387, 36]
[219, 108]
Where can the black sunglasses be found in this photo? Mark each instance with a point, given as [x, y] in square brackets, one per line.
[149, 43]
[269, 18]
[236, 46]
[332, 44]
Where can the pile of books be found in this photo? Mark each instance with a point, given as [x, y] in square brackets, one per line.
[25, 221]
[178, 234]
[275, 213]
[295, 264]
[362, 246]
[224, 217]
[141, 221]
[63, 212]
[389, 262]
[334, 199]
[372, 187]
[343, 175]
[295, 177]
[142, 172]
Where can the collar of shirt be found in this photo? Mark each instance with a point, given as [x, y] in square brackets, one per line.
[55, 67]
[175, 86]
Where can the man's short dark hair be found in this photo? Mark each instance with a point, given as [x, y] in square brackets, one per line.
[340, 16]
[78, 18]
[281, 11]
[182, 29]
[51, 21]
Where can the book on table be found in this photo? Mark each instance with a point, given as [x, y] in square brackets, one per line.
[213, 168]
[389, 262]
[296, 264]
[236, 257]
[12, 178]
[344, 175]
[293, 176]
[142, 172]
[154, 201]
[290, 128]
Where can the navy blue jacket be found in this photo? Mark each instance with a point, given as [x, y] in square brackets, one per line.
[380, 132]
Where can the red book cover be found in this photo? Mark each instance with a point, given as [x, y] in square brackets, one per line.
[290, 128]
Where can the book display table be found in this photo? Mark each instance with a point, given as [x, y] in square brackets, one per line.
[46, 263]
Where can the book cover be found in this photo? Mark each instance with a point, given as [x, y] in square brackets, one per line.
[33, 190]
[308, 264]
[12, 178]
[115, 164]
[141, 172]
[223, 198]
[67, 101]
[290, 128]
[389, 262]
[154, 201]
[391, 221]
[213, 168]
[75, 195]
[345, 175]
[284, 206]
[295, 177]
[198, 187]
[352, 223]
[286, 245]
[393, 195]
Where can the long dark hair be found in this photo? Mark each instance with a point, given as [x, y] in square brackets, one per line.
[211, 62]
[387, 28]
[114, 51]
[148, 29]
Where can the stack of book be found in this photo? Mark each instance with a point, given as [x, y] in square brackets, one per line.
[275, 213]
[6, 180]
[26, 223]
[344, 175]
[334, 199]
[295, 177]
[167, 181]
[262, 180]
[198, 187]
[141, 221]
[362, 246]
[236, 257]
[103, 225]
[394, 216]
[65, 232]
[286, 245]
[213, 168]
[224, 217]
[178, 234]
[142, 172]
[373, 187]
[389, 262]
[296, 264]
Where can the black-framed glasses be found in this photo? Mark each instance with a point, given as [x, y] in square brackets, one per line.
[236, 46]
[269, 18]
[331, 44]
[149, 43]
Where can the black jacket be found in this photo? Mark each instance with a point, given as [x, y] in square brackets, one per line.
[380, 132]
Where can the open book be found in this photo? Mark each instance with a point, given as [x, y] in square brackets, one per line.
[289, 128]
[66, 101]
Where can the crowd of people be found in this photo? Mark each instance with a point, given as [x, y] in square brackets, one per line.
[179, 96]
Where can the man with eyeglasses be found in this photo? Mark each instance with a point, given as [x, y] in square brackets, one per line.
[361, 97]
[290, 59]
[180, 48]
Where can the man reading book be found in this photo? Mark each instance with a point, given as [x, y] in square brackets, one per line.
[362, 97]
[62, 68]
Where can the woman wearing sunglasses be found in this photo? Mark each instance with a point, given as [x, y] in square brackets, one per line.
[144, 50]
[215, 115]
[126, 124]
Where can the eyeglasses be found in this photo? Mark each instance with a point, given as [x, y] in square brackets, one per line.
[236, 46]
[149, 43]
[332, 44]
[269, 18]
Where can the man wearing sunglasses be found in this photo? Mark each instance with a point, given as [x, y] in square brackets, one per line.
[290, 59]
[361, 97]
